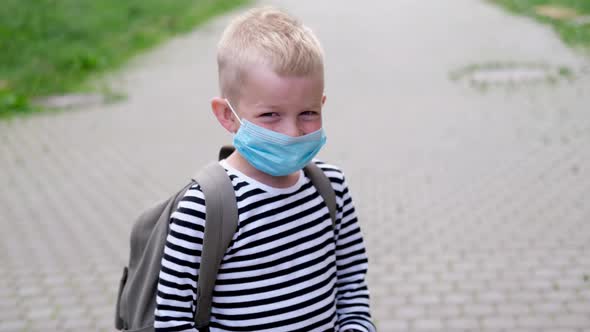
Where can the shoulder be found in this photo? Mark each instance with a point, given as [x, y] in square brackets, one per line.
[191, 206]
[193, 194]
[334, 174]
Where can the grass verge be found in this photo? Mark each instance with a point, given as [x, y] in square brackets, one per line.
[569, 18]
[54, 46]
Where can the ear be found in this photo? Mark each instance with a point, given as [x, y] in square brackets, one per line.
[224, 115]
[323, 99]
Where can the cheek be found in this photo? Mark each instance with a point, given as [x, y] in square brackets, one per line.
[270, 125]
[311, 126]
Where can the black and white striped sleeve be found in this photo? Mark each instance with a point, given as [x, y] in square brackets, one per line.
[176, 294]
[352, 294]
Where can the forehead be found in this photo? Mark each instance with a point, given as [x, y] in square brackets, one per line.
[262, 86]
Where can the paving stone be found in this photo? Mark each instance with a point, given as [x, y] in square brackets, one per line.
[505, 322]
[428, 324]
[425, 278]
[526, 297]
[548, 307]
[561, 296]
[12, 326]
[453, 277]
[102, 312]
[425, 299]
[40, 314]
[471, 285]
[72, 312]
[478, 310]
[458, 299]
[105, 325]
[443, 311]
[44, 325]
[408, 289]
[395, 300]
[59, 291]
[538, 285]
[6, 292]
[78, 324]
[7, 302]
[434, 267]
[463, 323]
[438, 288]
[548, 273]
[489, 276]
[393, 325]
[569, 284]
[535, 321]
[573, 320]
[409, 312]
[584, 294]
[54, 280]
[491, 297]
[579, 307]
[513, 309]
[11, 314]
[41, 304]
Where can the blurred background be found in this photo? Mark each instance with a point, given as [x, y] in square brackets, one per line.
[463, 128]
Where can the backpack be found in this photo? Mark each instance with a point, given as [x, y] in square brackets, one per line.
[136, 299]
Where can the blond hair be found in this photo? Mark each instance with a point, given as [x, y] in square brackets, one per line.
[269, 37]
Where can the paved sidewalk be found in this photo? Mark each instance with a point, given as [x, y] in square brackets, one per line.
[474, 204]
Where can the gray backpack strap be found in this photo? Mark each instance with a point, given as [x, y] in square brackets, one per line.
[324, 186]
[221, 221]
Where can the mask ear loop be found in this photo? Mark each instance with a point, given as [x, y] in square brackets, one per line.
[233, 111]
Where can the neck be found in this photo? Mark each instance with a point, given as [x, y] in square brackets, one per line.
[236, 161]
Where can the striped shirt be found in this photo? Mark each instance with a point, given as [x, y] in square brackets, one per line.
[286, 269]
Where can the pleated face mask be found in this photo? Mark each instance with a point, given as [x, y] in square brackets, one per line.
[275, 153]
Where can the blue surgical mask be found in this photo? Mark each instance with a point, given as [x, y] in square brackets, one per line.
[275, 153]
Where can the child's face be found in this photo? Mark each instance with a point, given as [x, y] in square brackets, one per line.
[289, 105]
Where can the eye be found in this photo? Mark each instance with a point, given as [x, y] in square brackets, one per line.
[269, 115]
[309, 114]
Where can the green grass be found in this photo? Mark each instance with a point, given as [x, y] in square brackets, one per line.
[572, 34]
[55, 46]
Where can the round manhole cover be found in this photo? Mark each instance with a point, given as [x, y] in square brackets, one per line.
[498, 74]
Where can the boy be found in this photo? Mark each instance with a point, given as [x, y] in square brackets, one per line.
[287, 268]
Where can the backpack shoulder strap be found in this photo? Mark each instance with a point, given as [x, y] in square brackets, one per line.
[324, 186]
[221, 220]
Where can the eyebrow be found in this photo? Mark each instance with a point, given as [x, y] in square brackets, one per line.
[310, 106]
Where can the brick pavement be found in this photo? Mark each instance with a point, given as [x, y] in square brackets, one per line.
[474, 205]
